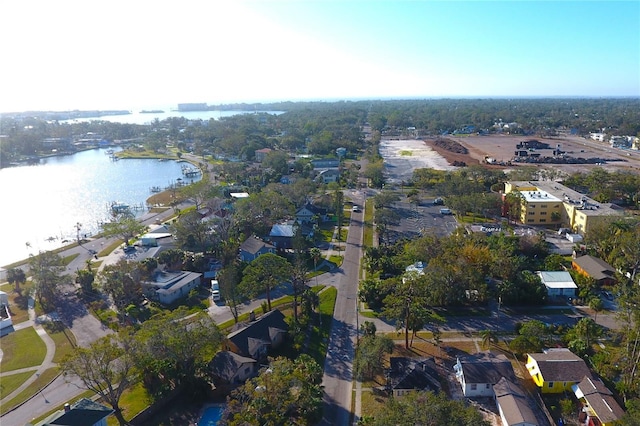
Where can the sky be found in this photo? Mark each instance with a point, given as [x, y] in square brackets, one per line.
[122, 54]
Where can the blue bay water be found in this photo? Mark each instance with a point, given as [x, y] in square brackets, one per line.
[137, 117]
[42, 203]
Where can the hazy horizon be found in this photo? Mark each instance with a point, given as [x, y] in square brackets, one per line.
[137, 55]
[173, 106]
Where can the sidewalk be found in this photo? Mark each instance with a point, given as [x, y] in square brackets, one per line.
[46, 364]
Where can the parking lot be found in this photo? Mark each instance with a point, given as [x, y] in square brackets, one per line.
[424, 218]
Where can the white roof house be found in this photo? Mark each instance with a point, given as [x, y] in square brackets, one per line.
[169, 286]
[558, 283]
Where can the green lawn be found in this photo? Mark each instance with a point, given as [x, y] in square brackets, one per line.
[319, 340]
[133, 401]
[34, 388]
[65, 342]
[23, 348]
[10, 383]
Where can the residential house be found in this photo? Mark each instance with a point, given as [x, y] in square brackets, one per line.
[309, 213]
[260, 154]
[253, 247]
[6, 323]
[169, 286]
[514, 406]
[478, 373]
[232, 369]
[83, 413]
[281, 235]
[256, 338]
[156, 236]
[556, 370]
[326, 163]
[328, 176]
[412, 374]
[550, 203]
[598, 404]
[596, 268]
[558, 283]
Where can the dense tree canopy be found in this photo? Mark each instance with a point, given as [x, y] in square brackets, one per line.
[286, 393]
[427, 409]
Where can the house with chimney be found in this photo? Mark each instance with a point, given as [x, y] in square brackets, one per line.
[258, 336]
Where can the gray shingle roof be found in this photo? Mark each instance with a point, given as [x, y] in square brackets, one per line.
[600, 399]
[253, 245]
[514, 403]
[258, 333]
[226, 364]
[561, 366]
[487, 368]
[412, 373]
[595, 267]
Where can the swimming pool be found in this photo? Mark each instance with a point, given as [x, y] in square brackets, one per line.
[211, 415]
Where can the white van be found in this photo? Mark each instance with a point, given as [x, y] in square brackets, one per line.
[215, 290]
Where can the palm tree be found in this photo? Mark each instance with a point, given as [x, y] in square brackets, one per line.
[316, 255]
[597, 305]
[488, 338]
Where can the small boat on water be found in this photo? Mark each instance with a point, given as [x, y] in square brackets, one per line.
[155, 189]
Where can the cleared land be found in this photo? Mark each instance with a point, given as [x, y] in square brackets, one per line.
[403, 156]
[502, 148]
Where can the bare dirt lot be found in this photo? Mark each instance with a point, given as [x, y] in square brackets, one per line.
[502, 148]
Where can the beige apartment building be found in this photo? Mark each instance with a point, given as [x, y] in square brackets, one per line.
[552, 204]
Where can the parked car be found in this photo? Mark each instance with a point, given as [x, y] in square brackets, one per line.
[215, 290]
[355, 209]
[438, 201]
[445, 211]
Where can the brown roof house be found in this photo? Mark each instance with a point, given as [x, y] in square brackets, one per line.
[599, 405]
[556, 370]
[478, 373]
[412, 374]
[596, 268]
[261, 154]
[514, 406]
[255, 339]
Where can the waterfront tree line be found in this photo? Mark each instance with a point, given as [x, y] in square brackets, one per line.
[321, 127]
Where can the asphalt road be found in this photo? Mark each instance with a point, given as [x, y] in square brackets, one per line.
[338, 367]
